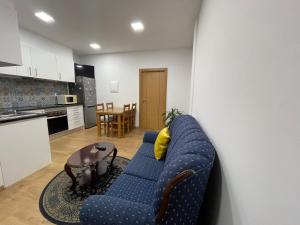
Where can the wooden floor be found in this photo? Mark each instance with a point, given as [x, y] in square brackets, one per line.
[19, 202]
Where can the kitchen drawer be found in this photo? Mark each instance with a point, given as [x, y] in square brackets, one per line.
[74, 124]
[75, 117]
[75, 108]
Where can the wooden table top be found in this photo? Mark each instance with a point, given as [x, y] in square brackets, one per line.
[84, 157]
[114, 111]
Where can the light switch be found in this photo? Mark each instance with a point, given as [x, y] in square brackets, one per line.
[114, 86]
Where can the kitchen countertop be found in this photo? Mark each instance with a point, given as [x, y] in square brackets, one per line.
[26, 108]
[23, 116]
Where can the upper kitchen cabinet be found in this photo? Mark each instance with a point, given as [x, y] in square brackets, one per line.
[44, 64]
[65, 67]
[8, 70]
[10, 53]
[26, 69]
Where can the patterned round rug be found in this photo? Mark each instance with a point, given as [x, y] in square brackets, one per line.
[61, 205]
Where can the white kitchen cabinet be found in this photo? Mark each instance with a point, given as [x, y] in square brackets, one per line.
[25, 148]
[10, 53]
[8, 70]
[44, 64]
[75, 117]
[26, 69]
[65, 67]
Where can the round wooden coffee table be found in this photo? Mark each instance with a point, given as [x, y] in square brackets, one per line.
[90, 157]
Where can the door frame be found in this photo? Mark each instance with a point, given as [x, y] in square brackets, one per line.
[165, 70]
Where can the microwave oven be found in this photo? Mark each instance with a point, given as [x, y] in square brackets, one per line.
[66, 99]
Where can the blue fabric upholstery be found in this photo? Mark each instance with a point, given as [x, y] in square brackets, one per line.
[150, 136]
[146, 149]
[145, 167]
[107, 210]
[133, 188]
[135, 197]
[190, 150]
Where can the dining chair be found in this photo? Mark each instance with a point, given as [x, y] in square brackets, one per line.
[110, 118]
[125, 121]
[133, 115]
[109, 105]
[126, 117]
[101, 121]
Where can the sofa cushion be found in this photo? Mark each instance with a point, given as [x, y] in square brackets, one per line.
[147, 150]
[183, 130]
[133, 188]
[107, 210]
[145, 167]
[150, 137]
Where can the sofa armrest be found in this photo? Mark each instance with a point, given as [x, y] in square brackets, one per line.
[150, 136]
[106, 210]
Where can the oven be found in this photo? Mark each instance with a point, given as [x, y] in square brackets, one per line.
[57, 120]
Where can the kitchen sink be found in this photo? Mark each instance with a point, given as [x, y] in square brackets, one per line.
[15, 115]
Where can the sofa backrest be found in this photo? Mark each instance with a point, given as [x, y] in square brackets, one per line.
[189, 149]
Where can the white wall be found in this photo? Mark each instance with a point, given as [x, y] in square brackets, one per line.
[1, 177]
[124, 67]
[246, 94]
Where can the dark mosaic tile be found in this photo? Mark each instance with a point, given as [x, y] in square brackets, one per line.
[28, 92]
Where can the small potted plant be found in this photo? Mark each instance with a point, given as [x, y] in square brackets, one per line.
[170, 116]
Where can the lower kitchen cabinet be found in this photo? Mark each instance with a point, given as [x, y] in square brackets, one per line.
[75, 117]
[25, 148]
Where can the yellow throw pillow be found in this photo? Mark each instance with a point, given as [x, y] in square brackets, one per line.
[161, 143]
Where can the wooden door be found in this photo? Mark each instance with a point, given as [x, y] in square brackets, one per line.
[153, 92]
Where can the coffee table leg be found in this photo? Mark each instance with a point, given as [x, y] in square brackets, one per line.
[114, 156]
[71, 175]
[94, 170]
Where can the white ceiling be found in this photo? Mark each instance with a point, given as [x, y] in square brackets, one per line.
[168, 23]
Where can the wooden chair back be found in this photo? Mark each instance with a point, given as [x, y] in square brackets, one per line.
[109, 105]
[127, 112]
[126, 107]
[100, 107]
[133, 107]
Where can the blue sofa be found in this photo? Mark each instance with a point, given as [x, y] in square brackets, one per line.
[168, 191]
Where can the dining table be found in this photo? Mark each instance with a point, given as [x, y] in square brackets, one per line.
[116, 111]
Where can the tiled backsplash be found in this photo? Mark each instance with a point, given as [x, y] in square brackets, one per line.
[29, 92]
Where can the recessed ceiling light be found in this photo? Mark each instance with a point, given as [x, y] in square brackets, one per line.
[44, 17]
[79, 66]
[95, 46]
[137, 26]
